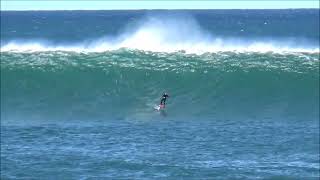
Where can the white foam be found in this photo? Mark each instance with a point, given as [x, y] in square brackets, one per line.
[163, 35]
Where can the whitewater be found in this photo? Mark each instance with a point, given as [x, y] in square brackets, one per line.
[159, 33]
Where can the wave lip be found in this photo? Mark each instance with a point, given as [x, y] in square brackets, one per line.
[154, 46]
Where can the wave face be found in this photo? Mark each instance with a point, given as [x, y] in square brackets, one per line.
[127, 84]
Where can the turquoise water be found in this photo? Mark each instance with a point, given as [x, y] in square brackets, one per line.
[55, 86]
[76, 107]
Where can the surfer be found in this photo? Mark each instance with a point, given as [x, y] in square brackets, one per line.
[163, 100]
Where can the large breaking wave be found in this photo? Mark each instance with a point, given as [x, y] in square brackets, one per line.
[122, 76]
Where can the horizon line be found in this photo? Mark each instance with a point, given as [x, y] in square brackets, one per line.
[56, 5]
[159, 9]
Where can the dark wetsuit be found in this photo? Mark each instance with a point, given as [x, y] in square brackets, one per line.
[163, 99]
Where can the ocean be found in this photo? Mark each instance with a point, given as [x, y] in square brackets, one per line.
[78, 90]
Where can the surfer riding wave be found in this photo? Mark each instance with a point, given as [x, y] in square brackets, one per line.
[163, 100]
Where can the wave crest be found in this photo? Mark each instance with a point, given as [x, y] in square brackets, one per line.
[166, 34]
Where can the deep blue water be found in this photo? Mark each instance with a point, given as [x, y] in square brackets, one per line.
[78, 90]
[68, 26]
